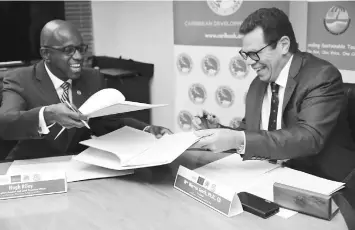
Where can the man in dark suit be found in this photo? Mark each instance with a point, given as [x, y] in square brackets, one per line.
[295, 107]
[33, 109]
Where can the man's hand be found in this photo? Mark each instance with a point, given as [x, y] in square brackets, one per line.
[158, 131]
[206, 121]
[219, 140]
[61, 114]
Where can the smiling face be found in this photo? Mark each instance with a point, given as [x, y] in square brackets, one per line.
[62, 64]
[271, 60]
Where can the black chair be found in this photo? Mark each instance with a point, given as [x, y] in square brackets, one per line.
[5, 146]
[349, 90]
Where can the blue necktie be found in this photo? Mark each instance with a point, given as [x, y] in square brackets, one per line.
[274, 106]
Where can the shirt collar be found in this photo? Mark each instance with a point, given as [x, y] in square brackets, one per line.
[283, 76]
[56, 81]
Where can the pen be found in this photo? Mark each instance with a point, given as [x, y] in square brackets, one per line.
[75, 110]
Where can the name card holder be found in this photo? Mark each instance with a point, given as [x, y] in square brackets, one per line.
[34, 184]
[304, 201]
[216, 196]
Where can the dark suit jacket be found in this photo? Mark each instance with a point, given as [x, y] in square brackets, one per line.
[315, 133]
[28, 89]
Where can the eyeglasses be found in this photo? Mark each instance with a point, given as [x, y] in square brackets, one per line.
[253, 55]
[70, 50]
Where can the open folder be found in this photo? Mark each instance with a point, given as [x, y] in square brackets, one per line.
[129, 148]
[111, 101]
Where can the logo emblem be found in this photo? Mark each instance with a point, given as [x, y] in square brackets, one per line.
[16, 179]
[225, 96]
[197, 93]
[26, 178]
[184, 63]
[224, 7]
[337, 20]
[238, 68]
[235, 122]
[185, 120]
[36, 177]
[78, 92]
[210, 65]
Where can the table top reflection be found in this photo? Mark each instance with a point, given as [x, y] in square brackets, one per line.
[144, 200]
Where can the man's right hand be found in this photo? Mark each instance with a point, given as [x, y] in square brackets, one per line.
[206, 121]
[61, 114]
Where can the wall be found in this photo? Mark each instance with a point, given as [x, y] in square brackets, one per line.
[142, 31]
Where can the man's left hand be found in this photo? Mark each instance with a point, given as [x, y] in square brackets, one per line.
[219, 140]
[158, 131]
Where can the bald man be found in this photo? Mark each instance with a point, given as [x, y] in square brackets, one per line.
[32, 110]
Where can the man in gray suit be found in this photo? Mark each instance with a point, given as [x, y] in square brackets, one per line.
[33, 109]
[295, 107]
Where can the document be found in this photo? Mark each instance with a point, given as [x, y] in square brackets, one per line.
[75, 170]
[129, 148]
[111, 101]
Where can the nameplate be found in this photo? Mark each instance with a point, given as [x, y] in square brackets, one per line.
[304, 201]
[216, 196]
[34, 184]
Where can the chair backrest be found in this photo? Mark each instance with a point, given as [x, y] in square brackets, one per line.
[349, 90]
[5, 146]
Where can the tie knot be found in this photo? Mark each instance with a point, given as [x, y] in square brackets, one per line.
[65, 86]
[274, 87]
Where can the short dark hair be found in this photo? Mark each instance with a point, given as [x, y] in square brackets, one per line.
[274, 23]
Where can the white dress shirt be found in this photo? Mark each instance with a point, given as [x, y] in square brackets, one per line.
[43, 128]
[265, 110]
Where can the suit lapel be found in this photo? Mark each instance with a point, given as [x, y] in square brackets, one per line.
[257, 96]
[291, 82]
[45, 84]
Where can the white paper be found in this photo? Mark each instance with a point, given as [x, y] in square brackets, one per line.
[75, 171]
[111, 101]
[128, 148]
[235, 172]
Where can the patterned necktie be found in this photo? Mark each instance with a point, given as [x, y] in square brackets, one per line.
[274, 106]
[65, 95]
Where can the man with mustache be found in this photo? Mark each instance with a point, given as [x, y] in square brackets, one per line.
[296, 109]
[33, 109]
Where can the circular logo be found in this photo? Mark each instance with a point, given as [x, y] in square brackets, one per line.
[235, 122]
[36, 177]
[224, 96]
[337, 20]
[185, 120]
[238, 68]
[224, 7]
[197, 93]
[184, 63]
[210, 65]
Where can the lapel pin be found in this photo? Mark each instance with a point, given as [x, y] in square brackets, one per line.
[78, 92]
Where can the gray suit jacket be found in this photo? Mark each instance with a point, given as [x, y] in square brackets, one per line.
[315, 133]
[28, 89]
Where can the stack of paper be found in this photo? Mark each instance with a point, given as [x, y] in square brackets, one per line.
[129, 148]
[74, 170]
[258, 178]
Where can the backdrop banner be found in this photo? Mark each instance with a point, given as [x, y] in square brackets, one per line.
[210, 74]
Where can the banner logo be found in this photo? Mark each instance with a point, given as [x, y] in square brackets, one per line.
[235, 122]
[197, 93]
[224, 7]
[225, 96]
[184, 63]
[185, 120]
[210, 65]
[238, 68]
[337, 20]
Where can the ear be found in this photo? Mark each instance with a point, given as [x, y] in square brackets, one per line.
[45, 54]
[284, 44]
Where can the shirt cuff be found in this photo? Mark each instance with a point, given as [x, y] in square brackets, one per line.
[43, 128]
[241, 148]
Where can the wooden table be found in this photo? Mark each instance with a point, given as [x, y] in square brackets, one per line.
[145, 200]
